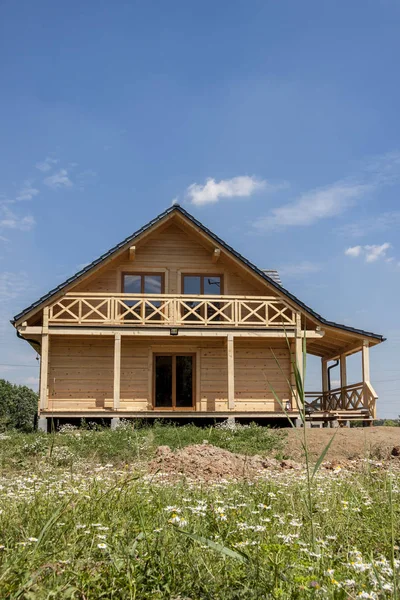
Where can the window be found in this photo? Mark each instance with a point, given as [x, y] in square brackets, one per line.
[202, 285]
[142, 283]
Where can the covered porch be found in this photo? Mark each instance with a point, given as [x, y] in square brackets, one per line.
[341, 399]
[244, 362]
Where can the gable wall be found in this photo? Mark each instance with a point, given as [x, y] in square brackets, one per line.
[173, 251]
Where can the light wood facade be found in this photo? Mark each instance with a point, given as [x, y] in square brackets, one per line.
[99, 342]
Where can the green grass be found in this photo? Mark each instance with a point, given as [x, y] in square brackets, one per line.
[20, 451]
[78, 522]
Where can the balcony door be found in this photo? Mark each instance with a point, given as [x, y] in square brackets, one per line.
[174, 381]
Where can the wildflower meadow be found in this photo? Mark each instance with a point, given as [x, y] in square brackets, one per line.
[82, 518]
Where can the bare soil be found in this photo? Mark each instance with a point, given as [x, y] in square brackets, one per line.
[349, 443]
[349, 447]
[209, 463]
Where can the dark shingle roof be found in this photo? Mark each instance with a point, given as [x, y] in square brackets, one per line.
[266, 275]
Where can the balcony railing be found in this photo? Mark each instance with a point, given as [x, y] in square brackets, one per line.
[357, 396]
[172, 310]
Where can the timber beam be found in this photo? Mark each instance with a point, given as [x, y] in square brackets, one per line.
[351, 349]
[216, 255]
[165, 332]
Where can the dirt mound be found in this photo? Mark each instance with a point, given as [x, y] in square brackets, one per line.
[207, 462]
[349, 444]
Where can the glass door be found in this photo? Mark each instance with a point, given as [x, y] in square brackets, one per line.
[174, 382]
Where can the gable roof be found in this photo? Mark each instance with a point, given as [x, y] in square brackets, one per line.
[266, 275]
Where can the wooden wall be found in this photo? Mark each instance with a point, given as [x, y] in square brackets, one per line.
[173, 251]
[81, 373]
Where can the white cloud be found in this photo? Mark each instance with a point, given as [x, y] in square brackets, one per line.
[12, 285]
[371, 252]
[375, 252]
[374, 224]
[312, 206]
[212, 191]
[332, 200]
[27, 192]
[9, 220]
[353, 251]
[58, 180]
[299, 270]
[47, 164]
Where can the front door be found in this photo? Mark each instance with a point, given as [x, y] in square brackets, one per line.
[174, 381]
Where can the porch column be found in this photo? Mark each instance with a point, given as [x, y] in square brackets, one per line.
[365, 371]
[343, 380]
[325, 386]
[44, 362]
[231, 371]
[365, 361]
[293, 397]
[117, 370]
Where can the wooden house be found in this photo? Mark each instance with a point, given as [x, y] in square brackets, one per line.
[174, 322]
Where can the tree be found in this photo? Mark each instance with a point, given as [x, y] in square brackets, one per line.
[18, 406]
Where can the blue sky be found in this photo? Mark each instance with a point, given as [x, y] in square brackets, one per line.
[274, 123]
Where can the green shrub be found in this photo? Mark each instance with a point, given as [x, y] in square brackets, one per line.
[18, 406]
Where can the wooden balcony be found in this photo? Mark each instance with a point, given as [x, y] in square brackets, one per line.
[356, 397]
[168, 310]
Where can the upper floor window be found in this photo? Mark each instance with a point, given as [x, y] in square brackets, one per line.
[204, 285]
[143, 283]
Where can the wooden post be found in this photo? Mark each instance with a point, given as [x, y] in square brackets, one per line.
[150, 400]
[293, 399]
[365, 372]
[44, 367]
[343, 381]
[325, 390]
[365, 361]
[117, 370]
[215, 255]
[44, 361]
[231, 371]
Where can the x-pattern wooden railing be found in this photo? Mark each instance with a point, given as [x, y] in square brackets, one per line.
[357, 396]
[172, 310]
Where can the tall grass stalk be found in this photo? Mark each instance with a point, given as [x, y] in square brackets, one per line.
[300, 398]
[393, 536]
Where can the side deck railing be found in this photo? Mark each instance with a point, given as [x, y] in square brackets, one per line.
[171, 310]
[357, 396]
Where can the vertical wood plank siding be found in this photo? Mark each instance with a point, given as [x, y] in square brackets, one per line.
[81, 373]
[175, 252]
